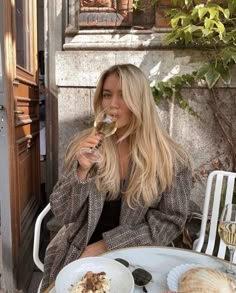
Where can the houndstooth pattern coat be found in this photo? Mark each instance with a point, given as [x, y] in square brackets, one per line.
[78, 206]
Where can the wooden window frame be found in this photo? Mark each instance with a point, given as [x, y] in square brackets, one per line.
[21, 73]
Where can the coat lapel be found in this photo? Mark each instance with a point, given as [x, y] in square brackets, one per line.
[129, 216]
[96, 202]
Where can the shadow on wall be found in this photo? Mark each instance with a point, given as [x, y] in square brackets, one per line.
[202, 138]
[69, 129]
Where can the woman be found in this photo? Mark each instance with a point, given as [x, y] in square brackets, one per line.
[137, 195]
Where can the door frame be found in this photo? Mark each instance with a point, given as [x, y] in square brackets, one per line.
[10, 74]
[20, 74]
[6, 154]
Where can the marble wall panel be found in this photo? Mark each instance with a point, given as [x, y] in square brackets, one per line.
[74, 112]
[82, 68]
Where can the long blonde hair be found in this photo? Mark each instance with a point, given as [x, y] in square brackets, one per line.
[153, 152]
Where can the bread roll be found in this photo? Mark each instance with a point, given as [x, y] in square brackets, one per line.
[205, 280]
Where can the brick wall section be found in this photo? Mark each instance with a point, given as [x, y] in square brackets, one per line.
[120, 13]
[161, 20]
[146, 17]
[116, 13]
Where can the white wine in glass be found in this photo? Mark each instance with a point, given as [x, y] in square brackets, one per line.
[227, 232]
[105, 125]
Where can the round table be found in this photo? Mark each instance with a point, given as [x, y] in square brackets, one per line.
[159, 261]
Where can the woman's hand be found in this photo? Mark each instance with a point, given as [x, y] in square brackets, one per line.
[85, 164]
[94, 249]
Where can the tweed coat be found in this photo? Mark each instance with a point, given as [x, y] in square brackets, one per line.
[78, 206]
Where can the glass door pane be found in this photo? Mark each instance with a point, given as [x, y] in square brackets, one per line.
[23, 34]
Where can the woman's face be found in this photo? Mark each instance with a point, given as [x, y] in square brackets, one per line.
[112, 97]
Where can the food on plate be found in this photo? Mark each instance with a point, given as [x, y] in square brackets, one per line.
[205, 280]
[92, 283]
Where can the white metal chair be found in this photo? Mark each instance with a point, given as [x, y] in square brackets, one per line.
[37, 230]
[220, 186]
[36, 246]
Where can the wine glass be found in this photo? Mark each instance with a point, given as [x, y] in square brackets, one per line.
[227, 232]
[105, 125]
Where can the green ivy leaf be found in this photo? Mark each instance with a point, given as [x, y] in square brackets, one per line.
[202, 71]
[215, 10]
[188, 79]
[226, 38]
[172, 12]
[178, 80]
[208, 23]
[234, 57]
[202, 11]
[171, 37]
[137, 5]
[226, 58]
[224, 73]
[212, 76]
[232, 6]
[180, 16]
[206, 32]
[187, 38]
[214, 13]
[228, 55]
[226, 13]
[221, 28]
[188, 3]
[168, 92]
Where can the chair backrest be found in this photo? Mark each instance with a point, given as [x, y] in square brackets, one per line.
[220, 186]
[37, 231]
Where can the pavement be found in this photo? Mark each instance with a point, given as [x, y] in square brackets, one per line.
[37, 276]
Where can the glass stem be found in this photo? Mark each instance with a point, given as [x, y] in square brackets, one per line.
[231, 257]
[97, 146]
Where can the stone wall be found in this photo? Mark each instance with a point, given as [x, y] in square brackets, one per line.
[87, 55]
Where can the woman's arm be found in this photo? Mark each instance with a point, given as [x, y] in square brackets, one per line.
[69, 195]
[162, 223]
[94, 249]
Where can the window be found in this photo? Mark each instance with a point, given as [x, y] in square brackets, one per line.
[23, 35]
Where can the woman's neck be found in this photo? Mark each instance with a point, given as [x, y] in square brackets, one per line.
[120, 132]
[124, 155]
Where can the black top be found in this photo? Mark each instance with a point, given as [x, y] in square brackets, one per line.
[109, 219]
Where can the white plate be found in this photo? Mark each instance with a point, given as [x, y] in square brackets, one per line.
[121, 279]
[176, 273]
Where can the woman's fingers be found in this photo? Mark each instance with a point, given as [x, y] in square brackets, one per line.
[89, 142]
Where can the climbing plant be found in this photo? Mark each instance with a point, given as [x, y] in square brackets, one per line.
[206, 26]
[209, 26]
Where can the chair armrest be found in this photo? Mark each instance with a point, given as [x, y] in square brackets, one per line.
[198, 244]
[37, 230]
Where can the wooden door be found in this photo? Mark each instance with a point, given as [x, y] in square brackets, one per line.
[20, 37]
